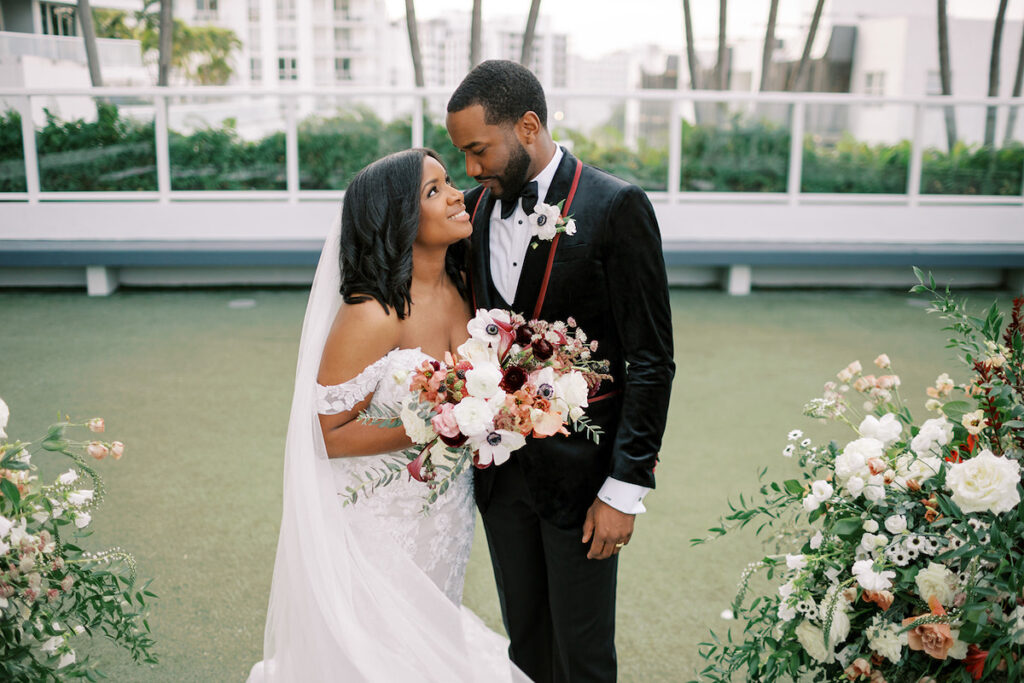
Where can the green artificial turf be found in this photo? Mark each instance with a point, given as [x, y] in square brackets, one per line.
[200, 390]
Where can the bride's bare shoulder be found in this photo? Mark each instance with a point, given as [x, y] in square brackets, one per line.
[361, 334]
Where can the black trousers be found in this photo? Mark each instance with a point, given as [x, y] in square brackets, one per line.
[558, 606]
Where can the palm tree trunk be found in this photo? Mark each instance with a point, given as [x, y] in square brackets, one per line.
[796, 78]
[414, 42]
[166, 41]
[721, 69]
[1018, 85]
[944, 74]
[691, 51]
[531, 29]
[474, 34]
[769, 45]
[92, 54]
[993, 73]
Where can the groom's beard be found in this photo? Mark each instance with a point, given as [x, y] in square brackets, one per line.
[513, 179]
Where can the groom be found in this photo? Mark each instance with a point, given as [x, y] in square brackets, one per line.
[557, 514]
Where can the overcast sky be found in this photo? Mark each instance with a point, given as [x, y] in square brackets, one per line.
[597, 27]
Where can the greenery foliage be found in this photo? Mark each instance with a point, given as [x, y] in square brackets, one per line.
[52, 591]
[117, 152]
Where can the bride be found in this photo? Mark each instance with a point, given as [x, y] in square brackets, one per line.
[373, 591]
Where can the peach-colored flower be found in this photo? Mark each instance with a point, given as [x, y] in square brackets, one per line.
[888, 381]
[96, 425]
[97, 450]
[860, 667]
[881, 598]
[883, 361]
[877, 677]
[913, 485]
[863, 383]
[876, 465]
[116, 450]
[934, 638]
[444, 422]
[931, 514]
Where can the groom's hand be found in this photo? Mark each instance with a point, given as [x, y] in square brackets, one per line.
[606, 527]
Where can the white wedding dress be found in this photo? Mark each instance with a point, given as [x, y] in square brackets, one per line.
[370, 591]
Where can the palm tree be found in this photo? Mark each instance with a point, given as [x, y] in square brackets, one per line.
[796, 78]
[166, 41]
[944, 75]
[531, 28]
[691, 51]
[1018, 84]
[769, 44]
[993, 73]
[721, 69]
[474, 34]
[92, 54]
[414, 42]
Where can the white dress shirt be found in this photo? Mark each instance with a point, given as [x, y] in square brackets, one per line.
[509, 240]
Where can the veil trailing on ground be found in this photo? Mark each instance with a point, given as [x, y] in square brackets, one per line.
[343, 605]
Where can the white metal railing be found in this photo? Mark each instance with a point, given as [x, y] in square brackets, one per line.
[794, 196]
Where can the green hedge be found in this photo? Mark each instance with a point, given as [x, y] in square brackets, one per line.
[118, 153]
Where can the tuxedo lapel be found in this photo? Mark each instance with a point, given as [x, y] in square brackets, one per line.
[480, 245]
[536, 261]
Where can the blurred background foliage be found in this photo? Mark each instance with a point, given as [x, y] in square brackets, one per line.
[117, 153]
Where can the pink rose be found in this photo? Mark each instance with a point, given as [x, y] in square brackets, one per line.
[96, 425]
[444, 422]
[97, 450]
[117, 450]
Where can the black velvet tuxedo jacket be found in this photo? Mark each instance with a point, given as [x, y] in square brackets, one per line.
[609, 276]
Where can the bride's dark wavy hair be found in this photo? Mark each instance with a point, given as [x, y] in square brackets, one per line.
[380, 217]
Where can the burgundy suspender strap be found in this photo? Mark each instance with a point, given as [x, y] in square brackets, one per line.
[554, 242]
[472, 219]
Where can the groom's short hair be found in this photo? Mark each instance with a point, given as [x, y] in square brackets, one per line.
[506, 90]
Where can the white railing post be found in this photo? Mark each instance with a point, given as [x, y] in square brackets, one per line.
[916, 157]
[28, 146]
[417, 122]
[796, 152]
[675, 150]
[291, 150]
[163, 152]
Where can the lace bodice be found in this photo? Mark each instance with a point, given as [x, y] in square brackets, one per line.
[439, 540]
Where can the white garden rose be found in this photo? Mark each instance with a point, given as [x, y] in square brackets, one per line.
[934, 434]
[477, 352]
[855, 486]
[959, 649]
[916, 467]
[874, 489]
[484, 380]
[886, 429]
[896, 524]
[822, 489]
[985, 483]
[937, 580]
[813, 640]
[416, 428]
[572, 389]
[473, 415]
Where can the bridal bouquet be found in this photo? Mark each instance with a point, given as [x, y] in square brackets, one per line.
[906, 543]
[511, 379]
[51, 590]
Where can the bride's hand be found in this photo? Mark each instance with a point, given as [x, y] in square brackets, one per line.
[609, 529]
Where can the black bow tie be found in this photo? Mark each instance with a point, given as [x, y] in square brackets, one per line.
[529, 196]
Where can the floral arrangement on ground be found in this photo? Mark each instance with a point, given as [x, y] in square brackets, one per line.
[53, 593]
[906, 559]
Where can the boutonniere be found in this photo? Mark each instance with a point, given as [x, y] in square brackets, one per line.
[546, 221]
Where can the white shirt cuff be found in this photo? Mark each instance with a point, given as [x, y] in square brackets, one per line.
[624, 497]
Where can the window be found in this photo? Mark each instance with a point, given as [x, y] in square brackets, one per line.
[287, 69]
[286, 38]
[254, 10]
[206, 10]
[342, 39]
[286, 10]
[874, 83]
[342, 69]
[933, 85]
[255, 69]
[58, 20]
[341, 9]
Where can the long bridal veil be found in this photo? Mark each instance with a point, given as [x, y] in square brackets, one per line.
[344, 606]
